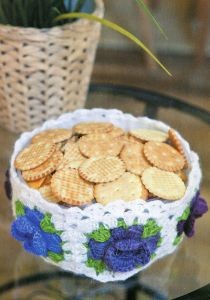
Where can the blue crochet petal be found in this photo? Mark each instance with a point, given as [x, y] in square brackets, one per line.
[16, 234]
[38, 244]
[142, 256]
[24, 226]
[135, 231]
[53, 242]
[97, 249]
[34, 215]
[28, 246]
[119, 261]
[128, 244]
[152, 242]
[119, 233]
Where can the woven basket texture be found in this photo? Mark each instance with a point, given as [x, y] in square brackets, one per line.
[45, 72]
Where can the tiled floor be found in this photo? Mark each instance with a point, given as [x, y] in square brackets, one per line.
[125, 68]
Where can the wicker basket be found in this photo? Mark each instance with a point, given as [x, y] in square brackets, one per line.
[46, 72]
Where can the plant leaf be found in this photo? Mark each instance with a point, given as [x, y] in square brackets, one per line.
[115, 27]
[148, 12]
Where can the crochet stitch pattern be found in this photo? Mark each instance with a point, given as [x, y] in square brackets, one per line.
[186, 222]
[37, 233]
[123, 248]
[89, 236]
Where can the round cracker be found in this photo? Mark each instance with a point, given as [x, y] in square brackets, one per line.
[149, 135]
[163, 184]
[164, 156]
[69, 187]
[46, 192]
[92, 127]
[177, 144]
[129, 139]
[44, 169]
[72, 157]
[102, 169]
[134, 159]
[145, 193]
[36, 184]
[34, 155]
[56, 135]
[103, 147]
[128, 187]
[116, 132]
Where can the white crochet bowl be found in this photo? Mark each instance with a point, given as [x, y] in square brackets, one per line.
[107, 243]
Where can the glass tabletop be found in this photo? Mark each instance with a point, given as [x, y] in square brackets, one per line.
[23, 276]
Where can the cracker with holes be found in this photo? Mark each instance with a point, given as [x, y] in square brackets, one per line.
[92, 127]
[128, 187]
[44, 169]
[34, 155]
[72, 158]
[56, 135]
[164, 156]
[104, 147]
[177, 144]
[46, 192]
[102, 169]
[163, 184]
[134, 159]
[147, 135]
[68, 186]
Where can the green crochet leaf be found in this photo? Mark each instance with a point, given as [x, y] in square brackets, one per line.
[150, 228]
[177, 240]
[98, 265]
[19, 208]
[153, 255]
[100, 235]
[121, 223]
[185, 214]
[47, 225]
[55, 256]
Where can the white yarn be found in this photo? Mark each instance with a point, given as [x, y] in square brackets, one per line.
[76, 222]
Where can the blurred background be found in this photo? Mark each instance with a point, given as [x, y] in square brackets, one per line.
[186, 53]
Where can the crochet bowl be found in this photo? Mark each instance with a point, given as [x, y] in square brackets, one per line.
[111, 242]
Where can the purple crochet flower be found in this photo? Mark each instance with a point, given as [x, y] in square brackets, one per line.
[125, 249]
[26, 229]
[198, 208]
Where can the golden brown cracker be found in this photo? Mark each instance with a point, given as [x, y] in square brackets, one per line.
[92, 127]
[163, 184]
[163, 156]
[134, 159]
[34, 155]
[70, 188]
[56, 135]
[149, 135]
[102, 169]
[128, 187]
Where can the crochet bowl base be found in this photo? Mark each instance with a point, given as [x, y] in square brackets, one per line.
[106, 243]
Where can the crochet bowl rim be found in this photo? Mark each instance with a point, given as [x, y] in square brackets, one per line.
[190, 191]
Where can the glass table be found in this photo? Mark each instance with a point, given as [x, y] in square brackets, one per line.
[23, 276]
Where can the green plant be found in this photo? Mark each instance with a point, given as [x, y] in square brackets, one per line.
[48, 13]
[36, 13]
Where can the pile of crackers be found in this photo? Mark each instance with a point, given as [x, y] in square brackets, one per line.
[99, 162]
